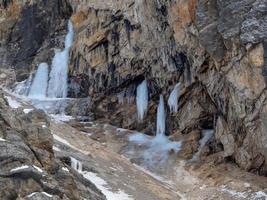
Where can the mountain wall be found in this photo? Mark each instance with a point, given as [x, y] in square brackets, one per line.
[216, 49]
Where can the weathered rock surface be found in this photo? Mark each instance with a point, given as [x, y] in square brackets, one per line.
[29, 30]
[215, 48]
[29, 169]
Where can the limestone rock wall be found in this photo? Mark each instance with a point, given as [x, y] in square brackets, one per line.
[215, 48]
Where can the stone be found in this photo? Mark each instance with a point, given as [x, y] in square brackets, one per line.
[216, 49]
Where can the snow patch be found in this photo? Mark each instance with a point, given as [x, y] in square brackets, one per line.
[56, 149]
[260, 194]
[76, 164]
[61, 118]
[103, 186]
[59, 139]
[32, 194]
[2, 140]
[234, 193]
[154, 151]
[12, 102]
[26, 110]
[65, 169]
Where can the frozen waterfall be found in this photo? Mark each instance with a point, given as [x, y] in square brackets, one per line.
[39, 85]
[142, 99]
[161, 117]
[58, 84]
[173, 98]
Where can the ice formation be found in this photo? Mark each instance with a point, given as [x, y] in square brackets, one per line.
[142, 100]
[173, 98]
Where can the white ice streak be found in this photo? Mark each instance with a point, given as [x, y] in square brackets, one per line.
[161, 117]
[207, 134]
[34, 193]
[173, 98]
[19, 168]
[40, 81]
[38, 169]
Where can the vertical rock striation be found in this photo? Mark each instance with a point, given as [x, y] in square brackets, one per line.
[216, 49]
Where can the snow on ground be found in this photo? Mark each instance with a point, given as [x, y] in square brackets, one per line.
[56, 148]
[2, 140]
[61, 118]
[19, 168]
[62, 140]
[234, 193]
[65, 169]
[102, 185]
[12, 103]
[260, 195]
[26, 110]
[156, 151]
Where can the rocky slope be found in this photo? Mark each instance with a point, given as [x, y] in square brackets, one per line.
[216, 49]
[29, 168]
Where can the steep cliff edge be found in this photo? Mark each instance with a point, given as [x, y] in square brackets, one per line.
[215, 49]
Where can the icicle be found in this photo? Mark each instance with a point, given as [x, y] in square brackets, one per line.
[173, 98]
[59, 73]
[39, 85]
[142, 100]
[75, 164]
[161, 117]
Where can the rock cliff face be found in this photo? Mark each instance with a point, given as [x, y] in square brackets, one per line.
[216, 49]
[29, 169]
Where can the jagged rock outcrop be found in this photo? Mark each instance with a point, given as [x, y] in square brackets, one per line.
[215, 48]
[29, 169]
